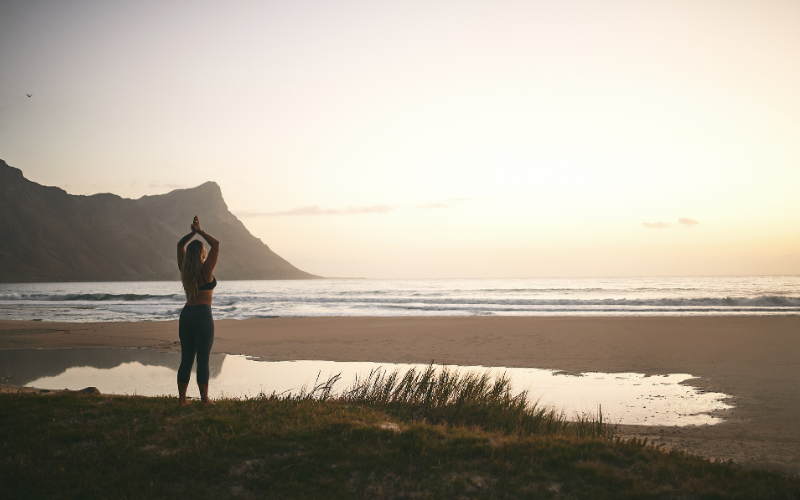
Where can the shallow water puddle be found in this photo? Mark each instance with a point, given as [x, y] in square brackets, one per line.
[626, 398]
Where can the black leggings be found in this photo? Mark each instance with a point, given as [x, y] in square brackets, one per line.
[196, 331]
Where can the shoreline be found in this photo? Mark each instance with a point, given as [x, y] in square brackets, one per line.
[753, 358]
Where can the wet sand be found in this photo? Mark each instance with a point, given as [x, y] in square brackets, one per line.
[755, 359]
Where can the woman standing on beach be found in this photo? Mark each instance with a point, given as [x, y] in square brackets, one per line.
[196, 326]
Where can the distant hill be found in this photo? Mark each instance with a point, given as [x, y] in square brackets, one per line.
[47, 234]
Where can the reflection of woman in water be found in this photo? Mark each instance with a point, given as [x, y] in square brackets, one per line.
[196, 326]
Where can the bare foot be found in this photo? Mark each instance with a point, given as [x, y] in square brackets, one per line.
[183, 402]
[206, 403]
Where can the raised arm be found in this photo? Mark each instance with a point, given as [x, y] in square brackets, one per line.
[182, 247]
[213, 254]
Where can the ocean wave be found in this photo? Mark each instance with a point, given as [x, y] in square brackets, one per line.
[586, 309]
[89, 297]
[157, 301]
[724, 302]
[415, 299]
[538, 290]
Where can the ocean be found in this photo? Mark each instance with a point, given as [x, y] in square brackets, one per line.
[640, 296]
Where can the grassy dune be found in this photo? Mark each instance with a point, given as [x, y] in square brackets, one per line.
[423, 435]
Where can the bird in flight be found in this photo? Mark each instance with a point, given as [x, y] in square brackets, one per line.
[28, 95]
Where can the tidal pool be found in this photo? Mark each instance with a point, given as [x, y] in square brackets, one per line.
[626, 398]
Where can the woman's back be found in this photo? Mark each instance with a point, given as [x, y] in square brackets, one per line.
[205, 294]
[197, 269]
[196, 323]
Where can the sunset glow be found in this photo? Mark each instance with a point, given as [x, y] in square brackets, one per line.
[431, 139]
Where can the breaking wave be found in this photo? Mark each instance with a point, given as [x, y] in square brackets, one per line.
[89, 297]
[763, 301]
[157, 301]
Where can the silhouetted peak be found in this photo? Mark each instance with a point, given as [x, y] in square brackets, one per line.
[12, 180]
[210, 188]
[105, 196]
[50, 235]
[208, 193]
[7, 171]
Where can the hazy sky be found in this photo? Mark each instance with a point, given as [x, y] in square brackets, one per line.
[432, 138]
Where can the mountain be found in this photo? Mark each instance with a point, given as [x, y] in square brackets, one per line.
[47, 234]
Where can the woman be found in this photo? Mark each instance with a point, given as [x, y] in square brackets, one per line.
[196, 326]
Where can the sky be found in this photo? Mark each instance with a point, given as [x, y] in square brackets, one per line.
[431, 139]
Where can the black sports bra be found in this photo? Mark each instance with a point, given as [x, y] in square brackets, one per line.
[209, 286]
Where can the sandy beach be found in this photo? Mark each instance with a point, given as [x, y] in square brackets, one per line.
[753, 358]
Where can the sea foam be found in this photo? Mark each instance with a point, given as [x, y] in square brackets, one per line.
[147, 301]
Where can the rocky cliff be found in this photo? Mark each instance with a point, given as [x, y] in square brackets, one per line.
[47, 234]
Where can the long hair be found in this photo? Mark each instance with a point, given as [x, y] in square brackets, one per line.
[192, 269]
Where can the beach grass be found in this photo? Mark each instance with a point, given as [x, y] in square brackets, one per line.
[453, 397]
[424, 434]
